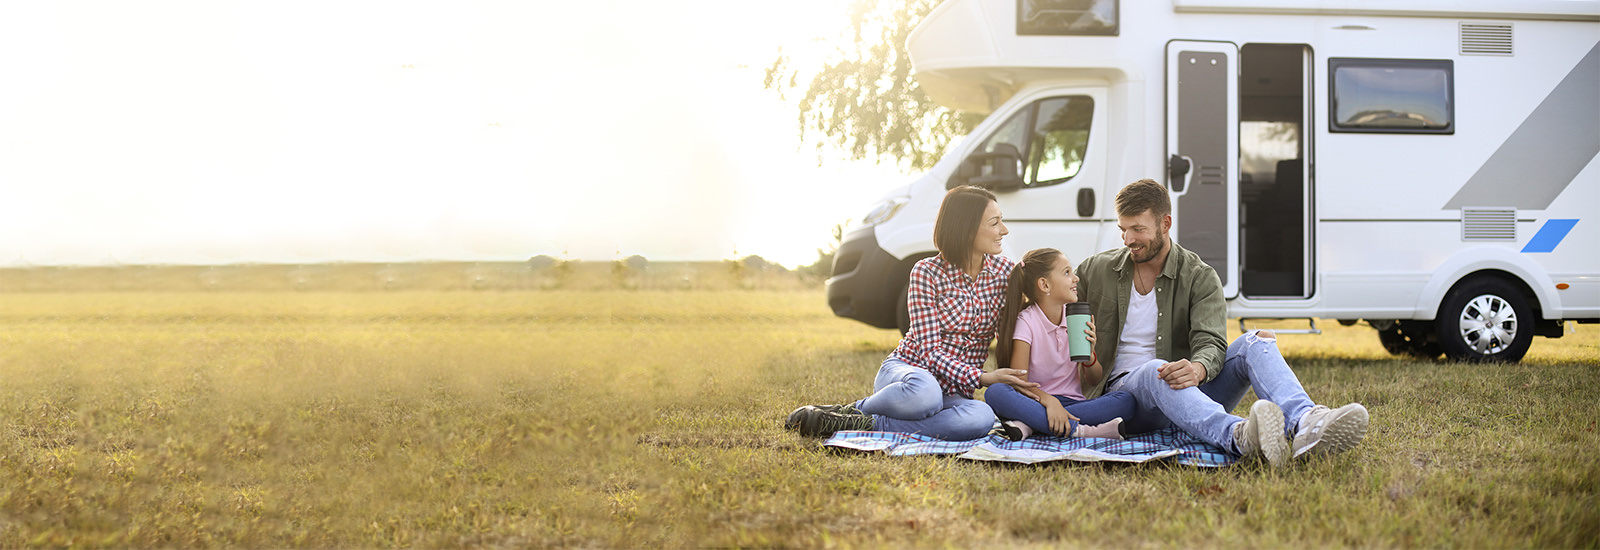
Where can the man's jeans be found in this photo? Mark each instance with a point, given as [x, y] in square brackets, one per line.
[908, 399]
[1252, 362]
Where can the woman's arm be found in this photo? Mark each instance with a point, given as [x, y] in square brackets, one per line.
[922, 303]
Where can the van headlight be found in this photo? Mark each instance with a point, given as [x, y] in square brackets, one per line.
[883, 211]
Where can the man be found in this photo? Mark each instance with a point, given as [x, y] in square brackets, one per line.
[1161, 321]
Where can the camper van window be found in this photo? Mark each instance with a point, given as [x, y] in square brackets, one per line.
[1061, 137]
[1067, 17]
[1392, 95]
[1053, 133]
[1014, 132]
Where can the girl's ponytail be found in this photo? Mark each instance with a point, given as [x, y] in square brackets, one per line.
[1008, 315]
[1035, 265]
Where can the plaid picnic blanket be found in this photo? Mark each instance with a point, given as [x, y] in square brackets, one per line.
[1170, 443]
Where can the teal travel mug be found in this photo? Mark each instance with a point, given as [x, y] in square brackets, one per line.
[1077, 323]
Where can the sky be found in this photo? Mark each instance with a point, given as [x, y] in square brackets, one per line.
[203, 132]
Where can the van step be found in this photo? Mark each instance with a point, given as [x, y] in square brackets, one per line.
[1312, 330]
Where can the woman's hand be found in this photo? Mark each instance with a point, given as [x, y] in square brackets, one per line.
[1059, 418]
[1017, 378]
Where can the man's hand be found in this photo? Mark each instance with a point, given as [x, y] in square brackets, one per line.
[1182, 373]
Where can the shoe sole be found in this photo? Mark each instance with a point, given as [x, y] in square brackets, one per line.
[1343, 432]
[1268, 419]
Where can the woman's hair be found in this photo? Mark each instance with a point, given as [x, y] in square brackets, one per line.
[957, 225]
[1020, 291]
[1143, 195]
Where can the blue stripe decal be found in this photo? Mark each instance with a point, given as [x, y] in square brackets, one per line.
[1549, 235]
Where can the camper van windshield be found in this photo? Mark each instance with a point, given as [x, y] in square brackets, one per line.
[1383, 95]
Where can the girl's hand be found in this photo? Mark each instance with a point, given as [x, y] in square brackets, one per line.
[1091, 331]
[1059, 419]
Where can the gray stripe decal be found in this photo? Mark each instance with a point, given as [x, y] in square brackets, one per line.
[1547, 151]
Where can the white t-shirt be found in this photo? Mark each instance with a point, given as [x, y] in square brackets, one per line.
[1137, 345]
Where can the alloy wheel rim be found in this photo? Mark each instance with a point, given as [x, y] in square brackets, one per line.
[1488, 324]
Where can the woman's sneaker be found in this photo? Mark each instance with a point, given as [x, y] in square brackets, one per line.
[824, 421]
[1326, 431]
[1261, 434]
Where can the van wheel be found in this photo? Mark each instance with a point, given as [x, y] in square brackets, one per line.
[902, 319]
[1485, 319]
[1411, 338]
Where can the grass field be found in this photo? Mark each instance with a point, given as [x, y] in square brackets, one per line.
[653, 418]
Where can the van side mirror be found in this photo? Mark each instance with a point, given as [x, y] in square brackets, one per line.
[1004, 164]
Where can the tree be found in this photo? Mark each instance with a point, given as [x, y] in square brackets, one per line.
[863, 99]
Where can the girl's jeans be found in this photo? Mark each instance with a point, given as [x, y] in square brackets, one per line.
[1010, 404]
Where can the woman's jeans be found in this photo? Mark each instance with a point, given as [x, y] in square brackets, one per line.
[908, 399]
[1251, 362]
[1010, 404]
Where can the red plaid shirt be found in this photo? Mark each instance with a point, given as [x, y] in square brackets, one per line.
[953, 319]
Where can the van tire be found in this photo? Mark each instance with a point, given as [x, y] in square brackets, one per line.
[902, 316]
[1411, 338]
[1485, 319]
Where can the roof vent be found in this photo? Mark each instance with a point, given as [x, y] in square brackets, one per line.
[1489, 224]
[1485, 39]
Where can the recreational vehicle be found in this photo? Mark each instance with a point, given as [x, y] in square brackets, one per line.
[1425, 166]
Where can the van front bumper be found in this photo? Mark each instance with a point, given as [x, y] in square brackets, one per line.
[867, 281]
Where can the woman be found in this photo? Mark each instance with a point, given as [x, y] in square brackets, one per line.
[954, 299]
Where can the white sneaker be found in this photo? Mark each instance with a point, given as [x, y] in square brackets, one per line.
[1261, 434]
[1327, 431]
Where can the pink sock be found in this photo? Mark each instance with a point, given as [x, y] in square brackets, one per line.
[1106, 430]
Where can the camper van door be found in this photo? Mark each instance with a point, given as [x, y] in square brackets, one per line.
[1202, 143]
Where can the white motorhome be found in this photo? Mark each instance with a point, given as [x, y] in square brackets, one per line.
[1426, 166]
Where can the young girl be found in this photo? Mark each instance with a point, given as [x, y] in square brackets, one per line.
[955, 299]
[1034, 340]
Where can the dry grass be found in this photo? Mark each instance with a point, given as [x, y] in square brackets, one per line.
[646, 419]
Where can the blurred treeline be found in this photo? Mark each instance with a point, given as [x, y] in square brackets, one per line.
[538, 273]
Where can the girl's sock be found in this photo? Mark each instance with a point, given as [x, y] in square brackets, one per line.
[1109, 430]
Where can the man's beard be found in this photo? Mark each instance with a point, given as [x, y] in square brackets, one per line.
[1150, 251]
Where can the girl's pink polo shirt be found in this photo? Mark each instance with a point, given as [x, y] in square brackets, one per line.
[1049, 362]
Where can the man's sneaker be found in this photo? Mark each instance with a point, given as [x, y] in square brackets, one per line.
[1326, 431]
[1261, 434]
[814, 421]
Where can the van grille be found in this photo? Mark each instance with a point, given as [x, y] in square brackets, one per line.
[1488, 224]
[1482, 39]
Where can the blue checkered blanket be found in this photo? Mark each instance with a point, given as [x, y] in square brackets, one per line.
[1168, 444]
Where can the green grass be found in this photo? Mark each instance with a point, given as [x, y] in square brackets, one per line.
[645, 419]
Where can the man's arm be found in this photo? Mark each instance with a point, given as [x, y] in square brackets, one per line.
[1208, 325]
[1208, 322]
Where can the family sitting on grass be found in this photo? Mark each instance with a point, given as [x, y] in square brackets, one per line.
[1161, 360]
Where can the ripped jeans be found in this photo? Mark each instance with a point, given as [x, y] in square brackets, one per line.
[1252, 362]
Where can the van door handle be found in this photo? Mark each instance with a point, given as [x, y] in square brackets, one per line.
[1178, 171]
